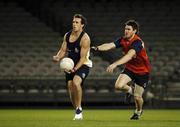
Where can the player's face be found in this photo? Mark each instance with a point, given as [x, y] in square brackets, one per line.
[76, 24]
[129, 32]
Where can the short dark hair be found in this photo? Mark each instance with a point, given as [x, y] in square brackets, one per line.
[83, 19]
[134, 24]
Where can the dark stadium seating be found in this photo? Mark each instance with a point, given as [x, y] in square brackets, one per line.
[31, 33]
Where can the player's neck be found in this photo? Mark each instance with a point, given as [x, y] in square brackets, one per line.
[76, 33]
[131, 37]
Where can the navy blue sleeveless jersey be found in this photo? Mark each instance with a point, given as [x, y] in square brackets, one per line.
[73, 48]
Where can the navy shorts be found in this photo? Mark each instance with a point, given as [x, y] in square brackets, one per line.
[141, 80]
[82, 72]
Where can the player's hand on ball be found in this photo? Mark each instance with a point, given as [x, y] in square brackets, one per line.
[56, 58]
[70, 71]
[67, 71]
[110, 68]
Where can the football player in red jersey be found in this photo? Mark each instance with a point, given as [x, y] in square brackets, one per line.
[137, 65]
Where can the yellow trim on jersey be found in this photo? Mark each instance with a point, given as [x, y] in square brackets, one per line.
[88, 62]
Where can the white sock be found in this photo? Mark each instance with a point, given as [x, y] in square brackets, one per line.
[130, 91]
[138, 112]
[80, 108]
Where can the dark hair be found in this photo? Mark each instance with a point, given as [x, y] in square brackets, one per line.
[83, 19]
[134, 24]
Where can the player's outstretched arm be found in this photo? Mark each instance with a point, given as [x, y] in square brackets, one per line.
[104, 47]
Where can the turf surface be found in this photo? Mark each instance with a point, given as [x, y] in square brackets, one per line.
[92, 118]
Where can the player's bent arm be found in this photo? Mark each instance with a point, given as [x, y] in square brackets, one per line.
[106, 46]
[62, 51]
[131, 53]
[85, 47]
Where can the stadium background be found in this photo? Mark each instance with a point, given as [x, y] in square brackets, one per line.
[31, 32]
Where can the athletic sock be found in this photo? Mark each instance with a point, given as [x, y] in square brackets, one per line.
[78, 110]
[138, 112]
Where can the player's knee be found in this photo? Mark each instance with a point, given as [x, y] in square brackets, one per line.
[137, 97]
[118, 86]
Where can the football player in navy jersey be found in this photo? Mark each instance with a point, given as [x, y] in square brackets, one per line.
[77, 44]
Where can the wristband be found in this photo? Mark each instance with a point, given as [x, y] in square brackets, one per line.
[74, 69]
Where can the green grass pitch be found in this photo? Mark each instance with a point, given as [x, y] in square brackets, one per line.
[92, 118]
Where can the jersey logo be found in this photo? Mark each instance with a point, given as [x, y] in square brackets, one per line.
[76, 50]
[83, 75]
[145, 84]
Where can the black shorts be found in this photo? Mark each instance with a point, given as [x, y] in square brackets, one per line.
[141, 80]
[82, 72]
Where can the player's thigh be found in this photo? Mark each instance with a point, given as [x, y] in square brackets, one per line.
[122, 80]
[138, 91]
[81, 75]
[142, 80]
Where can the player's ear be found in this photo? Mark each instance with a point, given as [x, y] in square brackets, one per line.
[82, 25]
